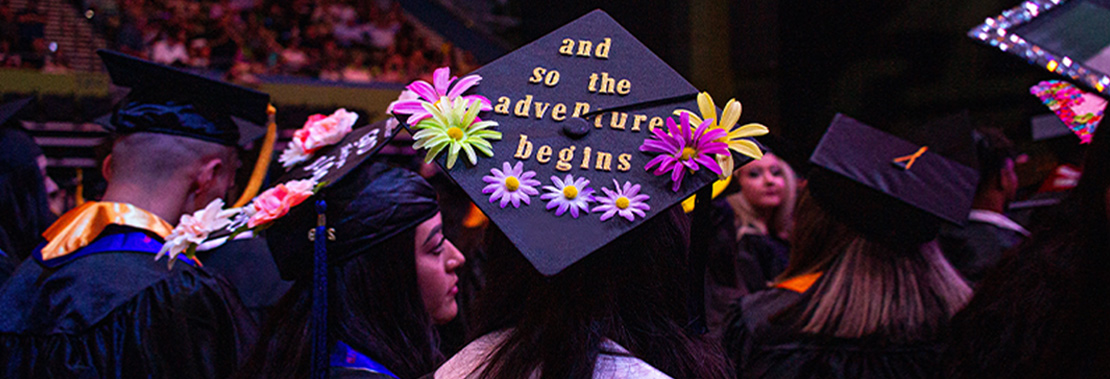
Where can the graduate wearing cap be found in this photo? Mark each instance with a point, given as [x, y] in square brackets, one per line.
[92, 302]
[867, 292]
[372, 272]
[24, 190]
[1041, 312]
[572, 147]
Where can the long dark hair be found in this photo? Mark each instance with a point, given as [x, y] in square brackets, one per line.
[1042, 311]
[374, 305]
[23, 203]
[632, 292]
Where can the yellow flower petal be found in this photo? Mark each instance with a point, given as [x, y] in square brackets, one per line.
[731, 114]
[708, 109]
[727, 165]
[746, 147]
[749, 130]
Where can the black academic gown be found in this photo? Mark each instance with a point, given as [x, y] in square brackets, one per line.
[120, 314]
[737, 268]
[765, 343]
[976, 248]
[7, 267]
[248, 266]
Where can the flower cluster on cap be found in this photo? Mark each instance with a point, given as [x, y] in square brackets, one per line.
[736, 138]
[193, 229]
[319, 131]
[512, 184]
[445, 119]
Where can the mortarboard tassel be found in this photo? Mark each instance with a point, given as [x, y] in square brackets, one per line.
[319, 326]
[909, 159]
[701, 230]
[264, 156]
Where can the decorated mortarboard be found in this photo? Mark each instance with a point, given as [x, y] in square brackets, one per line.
[572, 140]
[321, 153]
[1079, 110]
[890, 187]
[1068, 37]
[170, 101]
[11, 108]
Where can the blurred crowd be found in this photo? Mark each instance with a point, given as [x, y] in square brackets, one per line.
[356, 41]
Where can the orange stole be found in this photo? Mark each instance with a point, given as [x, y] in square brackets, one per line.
[800, 284]
[80, 226]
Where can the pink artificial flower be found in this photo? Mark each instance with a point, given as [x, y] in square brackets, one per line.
[432, 94]
[682, 150]
[277, 201]
[317, 132]
[194, 229]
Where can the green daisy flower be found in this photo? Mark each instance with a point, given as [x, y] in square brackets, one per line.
[455, 126]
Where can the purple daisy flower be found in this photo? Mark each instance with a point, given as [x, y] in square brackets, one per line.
[681, 151]
[429, 93]
[511, 185]
[626, 202]
[569, 193]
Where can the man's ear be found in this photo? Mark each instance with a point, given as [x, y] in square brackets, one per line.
[208, 174]
[106, 168]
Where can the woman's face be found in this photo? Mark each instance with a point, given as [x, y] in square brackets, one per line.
[436, 261]
[762, 182]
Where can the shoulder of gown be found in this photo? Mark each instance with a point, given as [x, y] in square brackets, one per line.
[120, 314]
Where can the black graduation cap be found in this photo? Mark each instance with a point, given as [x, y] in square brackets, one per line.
[1069, 38]
[889, 187]
[11, 108]
[367, 203]
[578, 102]
[1047, 126]
[170, 101]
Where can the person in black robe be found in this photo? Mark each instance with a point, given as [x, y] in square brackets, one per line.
[92, 301]
[978, 246]
[867, 292]
[387, 272]
[247, 265]
[1042, 312]
[24, 186]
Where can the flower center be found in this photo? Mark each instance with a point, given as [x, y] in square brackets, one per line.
[622, 202]
[570, 192]
[512, 183]
[688, 153]
[455, 133]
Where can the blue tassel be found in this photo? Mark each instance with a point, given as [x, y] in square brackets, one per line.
[319, 318]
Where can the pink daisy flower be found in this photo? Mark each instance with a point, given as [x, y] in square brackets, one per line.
[626, 202]
[511, 184]
[681, 151]
[429, 93]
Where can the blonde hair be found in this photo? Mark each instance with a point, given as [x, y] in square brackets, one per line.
[898, 291]
[781, 222]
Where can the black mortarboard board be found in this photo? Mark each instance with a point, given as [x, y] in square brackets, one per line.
[11, 108]
[367, 203]
[539, 94]
[170, 101]
[1048, 126]
[890, 187]
[1070, 38]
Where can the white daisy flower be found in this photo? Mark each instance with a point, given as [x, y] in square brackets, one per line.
[570, 193]
[511, 184]
[626, 202]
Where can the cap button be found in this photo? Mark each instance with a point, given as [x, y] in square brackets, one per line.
[576, 128]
